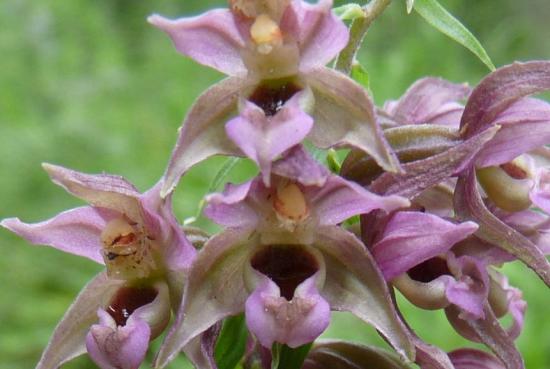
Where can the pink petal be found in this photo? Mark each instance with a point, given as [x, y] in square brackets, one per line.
[321, 35]
[75, 231]
[214, 290]
[101, 190]
[413, 237]
[211, 39]
[500, 89]
[68, 339]
[527, 118]
[354, 283]
[298, 165]
[344, 116]
[272, 318]
[429, 99]
[122, 347]
[230, 208]
[203, 131]
[470, 290]
[470, 205]
[340, 199]
[470, 358]
[263, 138]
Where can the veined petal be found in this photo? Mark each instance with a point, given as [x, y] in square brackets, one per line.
[410, 143]
[490, 332]
[101, 190]
[272, 318]
[354, 284]
[504, 299]
[422, 174]
[264, 138]
[469, 205]
[413, 237]
[200, 349]
[211, 39]
[468, 358]
[177, 250]
[121, 347]
[119, 341]
[203, 131]
[340, 199]
[527, 118]
[68, 339]
[344, 116]
[76, 231]
[540, 194]
[429, 99]
[470, 290]
[321, 35]
[500, 89]
[332, 354]
[215, 290]
[230, 208]
[298, 164]
[431, 357]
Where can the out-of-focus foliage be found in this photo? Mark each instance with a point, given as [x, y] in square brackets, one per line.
[91, 86]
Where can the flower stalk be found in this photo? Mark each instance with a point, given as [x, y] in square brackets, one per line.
[358, 31]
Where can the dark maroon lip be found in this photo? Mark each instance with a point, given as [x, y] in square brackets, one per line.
[286, 265]
[127, 300]
[429, 270]
[271, 97]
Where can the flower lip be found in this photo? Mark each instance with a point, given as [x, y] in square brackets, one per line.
[429, 270]
[271, 95]
[127, 300]
[286, 265]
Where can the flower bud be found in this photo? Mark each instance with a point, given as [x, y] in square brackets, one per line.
[507, 185]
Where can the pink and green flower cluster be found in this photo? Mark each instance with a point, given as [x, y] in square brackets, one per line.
[449, 183]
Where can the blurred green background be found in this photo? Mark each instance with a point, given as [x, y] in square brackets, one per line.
[91, 86]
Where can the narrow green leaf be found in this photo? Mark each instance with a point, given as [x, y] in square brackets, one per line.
[349, 11]
[437, 16]
[226, 167]
[231, 343]
[333, 161]
[284, 357]
[276, 355]
[360, 75]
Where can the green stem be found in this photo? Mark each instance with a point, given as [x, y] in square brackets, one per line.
[358, 30]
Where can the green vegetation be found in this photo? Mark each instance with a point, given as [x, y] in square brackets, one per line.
[91, 86]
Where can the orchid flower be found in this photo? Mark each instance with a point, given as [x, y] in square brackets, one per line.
[511, 179]
[513, 172]
[429, 100]
[146, 256]
[278, 91]
[438, 265]
[285, 262]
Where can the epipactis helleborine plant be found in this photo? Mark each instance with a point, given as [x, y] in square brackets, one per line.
[449, 183]
[146, 256]
[278, 91]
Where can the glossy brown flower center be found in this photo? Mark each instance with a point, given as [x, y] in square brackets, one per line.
[429, 270]
[127, 250]
[286, 265]
[271, 96]
[127, 300]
